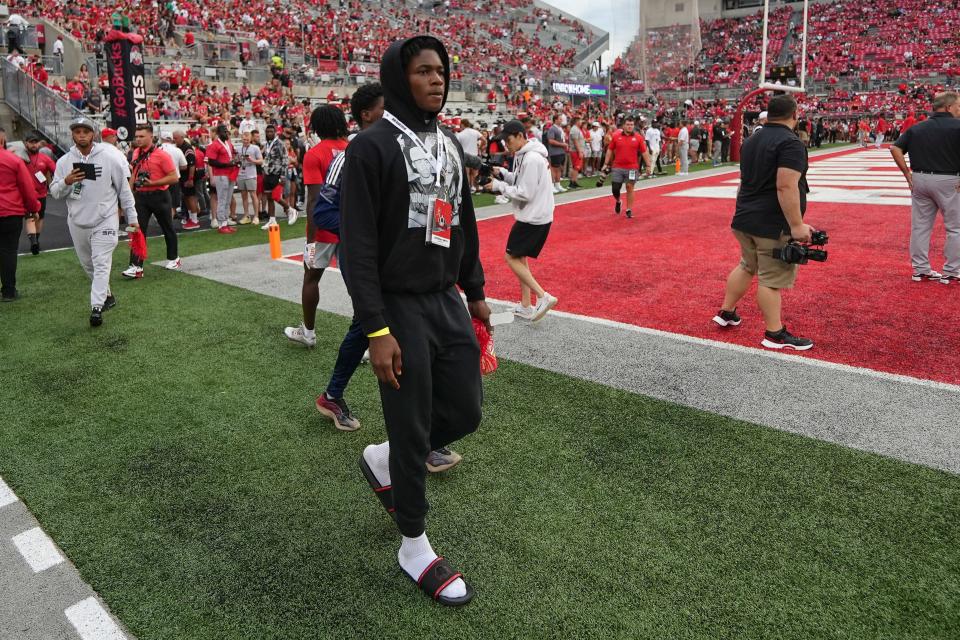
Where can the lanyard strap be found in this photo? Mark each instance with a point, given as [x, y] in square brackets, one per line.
[441, 146]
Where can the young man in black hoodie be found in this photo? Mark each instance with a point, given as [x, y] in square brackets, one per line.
[408, 237]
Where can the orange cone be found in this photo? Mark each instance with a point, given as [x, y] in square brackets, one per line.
[274, 235]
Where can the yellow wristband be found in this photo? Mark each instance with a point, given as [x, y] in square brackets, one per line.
[376, 334]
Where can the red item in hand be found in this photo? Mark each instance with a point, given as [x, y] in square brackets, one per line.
[488, 358]
[138, 244]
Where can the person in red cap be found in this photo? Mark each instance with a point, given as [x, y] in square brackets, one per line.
[109, 136]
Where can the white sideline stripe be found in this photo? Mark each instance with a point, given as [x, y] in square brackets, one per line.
[823, 194]
[7, 496]
[774, 355]
[37, 549]
[92, 622]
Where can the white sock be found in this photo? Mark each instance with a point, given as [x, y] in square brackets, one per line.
[378, 458]
[194, 217]
[310, 333]
[416, 554]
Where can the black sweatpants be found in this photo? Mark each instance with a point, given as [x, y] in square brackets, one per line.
[10, 229]
[440, 392]
[157, 204]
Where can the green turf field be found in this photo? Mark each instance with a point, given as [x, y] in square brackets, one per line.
[175, 456]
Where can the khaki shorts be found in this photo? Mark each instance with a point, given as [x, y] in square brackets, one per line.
[756, 259]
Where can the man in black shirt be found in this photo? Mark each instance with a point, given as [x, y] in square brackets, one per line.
[188, 181]
[408, 236]
[934, 179]
[770, 206]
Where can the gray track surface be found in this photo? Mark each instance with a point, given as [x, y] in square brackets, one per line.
[32, 604]
[911, 420]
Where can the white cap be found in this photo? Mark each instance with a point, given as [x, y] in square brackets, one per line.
[696, 122]
[763, 115]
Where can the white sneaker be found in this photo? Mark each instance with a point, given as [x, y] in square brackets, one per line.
[562, 188]
[214, 223]
[132, 272]
[173, 265]
[544, 305]
[298, 334]
[365, 357]
[292, 215]
[270, 223]
[501, 199]
[524, 313]
[231, 223]
[556, 189]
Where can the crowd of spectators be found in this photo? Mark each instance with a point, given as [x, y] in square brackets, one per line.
[847, 40]
[485, 39]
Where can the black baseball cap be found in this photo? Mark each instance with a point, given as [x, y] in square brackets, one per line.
[512, 128]
[33, 136]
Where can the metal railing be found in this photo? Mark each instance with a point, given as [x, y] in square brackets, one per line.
[45, 110]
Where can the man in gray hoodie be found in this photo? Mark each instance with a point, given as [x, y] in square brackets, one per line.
[529, 189]
[93, 177]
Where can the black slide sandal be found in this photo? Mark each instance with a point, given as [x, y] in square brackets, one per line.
[436, 577]
[384, 493]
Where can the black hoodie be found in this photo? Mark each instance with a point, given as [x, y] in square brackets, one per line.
[385, 196]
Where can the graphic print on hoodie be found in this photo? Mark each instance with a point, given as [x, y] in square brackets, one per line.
[385, 196]
[422, 179]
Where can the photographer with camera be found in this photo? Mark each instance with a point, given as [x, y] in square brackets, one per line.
[770, 205]
[152, 171]
[528, 186]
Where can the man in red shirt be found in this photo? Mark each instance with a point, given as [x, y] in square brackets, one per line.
[330, 125]
[908, 122]
[41, 167]
[623, 156]
[882, 128]
[76, 89]
[151, 173]
[17, 197]
[224, 169]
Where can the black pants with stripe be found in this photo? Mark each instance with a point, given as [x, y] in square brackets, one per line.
[440, 392]
[157, 204]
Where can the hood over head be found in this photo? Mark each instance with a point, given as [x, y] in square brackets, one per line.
[397, 96]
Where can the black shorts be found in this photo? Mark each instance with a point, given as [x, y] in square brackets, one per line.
[526, 240]
[558, 161]
[43, 208]
[270, 182]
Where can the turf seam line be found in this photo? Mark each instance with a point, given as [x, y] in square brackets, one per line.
[833, 366]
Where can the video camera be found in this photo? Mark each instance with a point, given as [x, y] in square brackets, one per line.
[143, 177]
[485, 169]
[602, 176]
[800, 253]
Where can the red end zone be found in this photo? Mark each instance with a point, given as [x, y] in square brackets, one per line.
[666, 269]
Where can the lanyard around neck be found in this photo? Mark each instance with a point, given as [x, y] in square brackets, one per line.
[438, 161]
